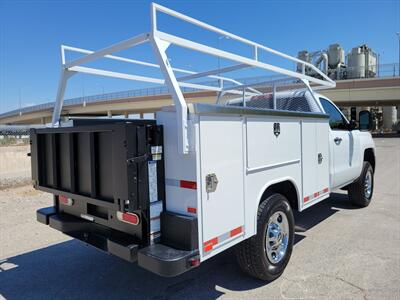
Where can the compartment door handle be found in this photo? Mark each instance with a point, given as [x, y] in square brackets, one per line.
[337, 140]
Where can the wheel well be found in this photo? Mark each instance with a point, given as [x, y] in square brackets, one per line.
[369, 156]
[285, 188]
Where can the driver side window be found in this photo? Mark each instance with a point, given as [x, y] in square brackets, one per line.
[336, 120]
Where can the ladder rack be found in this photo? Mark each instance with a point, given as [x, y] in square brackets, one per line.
[160, 41]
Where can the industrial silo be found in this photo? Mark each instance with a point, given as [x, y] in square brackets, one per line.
[335, 55]
[361, 62]
[337, 67]
[305, 56]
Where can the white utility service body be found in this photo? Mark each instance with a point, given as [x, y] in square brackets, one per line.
[239, 146]
[237, 168]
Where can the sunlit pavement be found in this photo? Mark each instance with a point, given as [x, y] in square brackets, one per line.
[341, 252]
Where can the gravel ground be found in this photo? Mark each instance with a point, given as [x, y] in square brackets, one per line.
[341, 253]
[19, 231]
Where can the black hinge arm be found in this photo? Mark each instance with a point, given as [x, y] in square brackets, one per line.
[137, 159]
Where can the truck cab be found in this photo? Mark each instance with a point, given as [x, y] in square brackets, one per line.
[349, 146]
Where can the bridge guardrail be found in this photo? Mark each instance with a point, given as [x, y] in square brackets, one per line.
[382, 71]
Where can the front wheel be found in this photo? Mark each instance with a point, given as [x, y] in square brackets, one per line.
[360, 192]
[266, 254]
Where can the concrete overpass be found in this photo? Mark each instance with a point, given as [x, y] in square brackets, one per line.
[384, 91]
[366, 92]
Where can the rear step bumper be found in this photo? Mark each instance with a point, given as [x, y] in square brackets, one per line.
[160, 259]
[167, 261]
[111, 241]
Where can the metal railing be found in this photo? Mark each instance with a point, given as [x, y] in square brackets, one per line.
[375, 71]
[388, 70]
[382, 71]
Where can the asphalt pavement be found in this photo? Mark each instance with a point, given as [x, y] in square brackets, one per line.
[341, 252]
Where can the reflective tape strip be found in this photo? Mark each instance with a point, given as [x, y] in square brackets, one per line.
[209, 245]
[188, 184]
[236, 231]
[192, 210]
[316, 195]
[185, 184]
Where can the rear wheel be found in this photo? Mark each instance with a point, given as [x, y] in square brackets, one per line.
[360, 192]
[266, 254]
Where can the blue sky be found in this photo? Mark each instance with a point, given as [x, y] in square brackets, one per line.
[31, 33]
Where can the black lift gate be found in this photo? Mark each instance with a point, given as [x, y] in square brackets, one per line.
[103, 167]
[98, 170]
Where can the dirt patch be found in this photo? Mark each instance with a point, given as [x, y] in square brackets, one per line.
[15, 166]
[19, 230]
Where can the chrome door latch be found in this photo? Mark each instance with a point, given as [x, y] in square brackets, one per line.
[320, 158]
[277, 129]
[211, 183]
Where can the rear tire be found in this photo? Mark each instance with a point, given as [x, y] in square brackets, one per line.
[360, 192]
[266, 254]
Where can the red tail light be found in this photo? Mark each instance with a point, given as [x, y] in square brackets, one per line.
[128, 217]
[65, 200]
[194, 262]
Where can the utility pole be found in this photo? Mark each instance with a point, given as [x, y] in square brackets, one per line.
[398, 66]
[19, 102]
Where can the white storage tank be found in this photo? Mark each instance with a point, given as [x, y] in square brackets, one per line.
[303, 55]
[356, 63]
[372, 62]
[361, 62]
[335, 55]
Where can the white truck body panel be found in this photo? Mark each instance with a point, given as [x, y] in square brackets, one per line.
[266, 150]
[179, 167]
[221, 152]
[247, 157]
[315, 176]
[342, 157]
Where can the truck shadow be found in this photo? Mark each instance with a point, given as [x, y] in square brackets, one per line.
[314, 215]
[73, 270]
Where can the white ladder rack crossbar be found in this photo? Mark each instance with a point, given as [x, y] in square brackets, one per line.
[160, 41]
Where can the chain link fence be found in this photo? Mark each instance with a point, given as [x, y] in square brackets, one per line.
[15, 134]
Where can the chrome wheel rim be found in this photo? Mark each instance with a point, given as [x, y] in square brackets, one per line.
[368, 184]
[277, 237]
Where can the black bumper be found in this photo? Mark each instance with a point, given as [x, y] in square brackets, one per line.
[158, 258]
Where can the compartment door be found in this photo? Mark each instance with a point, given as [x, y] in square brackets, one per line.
[309, 161]
[221, 153]
[315, 161]
[323, 149]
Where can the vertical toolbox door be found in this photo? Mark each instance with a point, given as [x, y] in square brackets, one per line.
[323, 149]
[309, 160]
[221, 152]
[315, 160]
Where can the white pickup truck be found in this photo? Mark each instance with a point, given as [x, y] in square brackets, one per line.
[201, 178]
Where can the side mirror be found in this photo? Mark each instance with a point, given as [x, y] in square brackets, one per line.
[365, 120]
